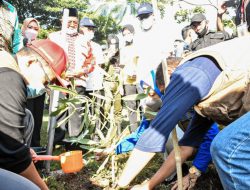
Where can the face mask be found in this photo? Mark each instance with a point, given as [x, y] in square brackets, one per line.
[30, 34]
[89, 36]
[71, 31]
[146, 24]
[34, 91]
[128, 38]
[202, 33]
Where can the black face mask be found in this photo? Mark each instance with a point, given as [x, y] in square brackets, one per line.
[202, 33]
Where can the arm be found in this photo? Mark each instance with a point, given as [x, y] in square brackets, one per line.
[203, 156]
[16, 154]
[167, 168]
[221, 10]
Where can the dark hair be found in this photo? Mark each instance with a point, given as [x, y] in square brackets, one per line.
[159, 77]
[172, 64]
[113, 37]
[184, 31]
[128, 27]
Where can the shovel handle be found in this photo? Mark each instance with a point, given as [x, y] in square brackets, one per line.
[45, 157]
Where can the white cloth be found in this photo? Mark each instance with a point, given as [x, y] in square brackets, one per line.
[128, 58]
[153, 46]
[60, 39]
[95, 79]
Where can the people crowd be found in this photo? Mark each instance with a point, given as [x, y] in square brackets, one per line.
[196, 84]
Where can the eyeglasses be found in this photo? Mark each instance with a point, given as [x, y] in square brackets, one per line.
[144, 16]
[33, 27]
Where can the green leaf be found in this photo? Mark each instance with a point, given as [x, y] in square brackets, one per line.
[103, 165]
[65, 119]
[83, 141]
[100, 96]
[62, 89]
[59, 111]
[133, 97]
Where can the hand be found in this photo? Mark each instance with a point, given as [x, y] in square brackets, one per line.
[100, 155]
[69, 75]
[222, 8]
[143, 186]
[188, 182]
[33, 154]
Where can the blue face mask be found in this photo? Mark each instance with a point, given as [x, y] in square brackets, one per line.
[34, 91]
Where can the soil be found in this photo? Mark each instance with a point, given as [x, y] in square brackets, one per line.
[87, 179]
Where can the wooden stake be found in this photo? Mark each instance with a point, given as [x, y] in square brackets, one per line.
[174, 134]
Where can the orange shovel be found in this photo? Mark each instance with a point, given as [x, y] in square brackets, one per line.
[70, 161]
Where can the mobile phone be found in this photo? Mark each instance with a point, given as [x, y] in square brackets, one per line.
[231, 3]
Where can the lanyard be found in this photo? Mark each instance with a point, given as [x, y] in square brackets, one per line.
[242, 11]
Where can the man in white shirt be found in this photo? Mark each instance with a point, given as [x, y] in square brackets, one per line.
[76, 47]
[94, 81]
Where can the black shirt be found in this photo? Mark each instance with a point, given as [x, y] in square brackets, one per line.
[14, 154]
[209, 39]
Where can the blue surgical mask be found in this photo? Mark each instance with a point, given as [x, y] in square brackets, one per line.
[34, 91]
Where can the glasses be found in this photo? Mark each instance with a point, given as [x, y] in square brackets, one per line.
[144, 16]
[33, 27]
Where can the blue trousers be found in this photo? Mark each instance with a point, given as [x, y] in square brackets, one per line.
[12, 181]
[230, 152]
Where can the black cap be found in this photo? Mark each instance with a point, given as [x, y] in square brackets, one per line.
[72, 12]
[198, 18]
[129, 27]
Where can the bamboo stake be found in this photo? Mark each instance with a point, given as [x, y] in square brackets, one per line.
[174, 134]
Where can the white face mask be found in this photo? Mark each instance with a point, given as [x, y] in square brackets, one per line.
[128, 38]
[30, 34]
[147, 23]
[89, 36]
[71, 31]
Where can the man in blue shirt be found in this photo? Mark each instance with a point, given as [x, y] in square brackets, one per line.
[216, 81]
[188, 85]
[176, 101]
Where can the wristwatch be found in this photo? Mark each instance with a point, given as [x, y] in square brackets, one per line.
[194, 172]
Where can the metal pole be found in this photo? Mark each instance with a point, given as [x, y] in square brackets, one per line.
[54, 97]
